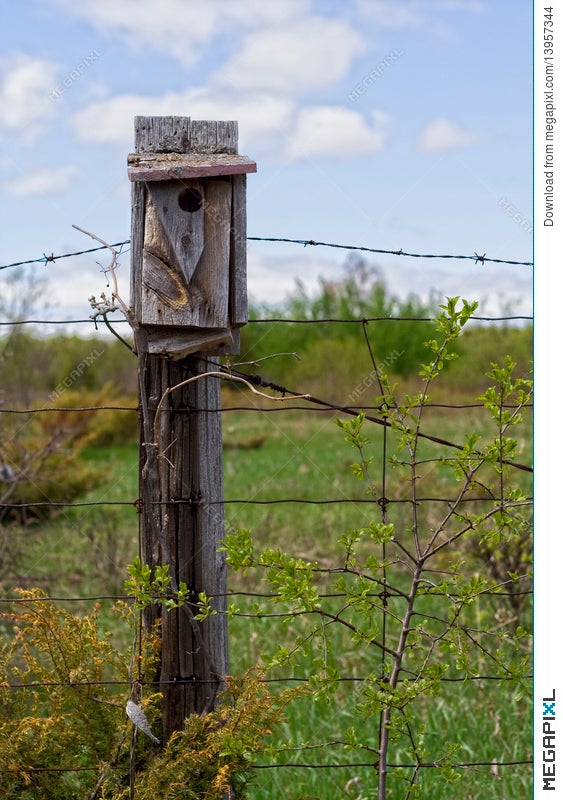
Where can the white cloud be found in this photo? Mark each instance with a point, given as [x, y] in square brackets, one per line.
[255, 13]
[390, 13]
[490, 287]
[267, 122]
[311, 53]
[25, 85]
[161, 24]
[260, 116]
[332, 131]
[111, 121]
[443, 134]
[411, 13]
[41, 182]
[177, 27]
[273, 278]
[458, 5]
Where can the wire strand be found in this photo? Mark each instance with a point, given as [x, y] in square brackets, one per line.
[477, 259]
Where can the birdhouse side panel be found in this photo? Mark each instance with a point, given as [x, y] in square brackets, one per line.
[239, 299]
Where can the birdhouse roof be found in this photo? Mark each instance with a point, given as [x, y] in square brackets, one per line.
[174, 166]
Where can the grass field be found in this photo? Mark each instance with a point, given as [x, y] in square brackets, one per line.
[273, 455]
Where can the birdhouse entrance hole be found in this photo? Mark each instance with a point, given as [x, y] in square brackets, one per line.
[190, 200]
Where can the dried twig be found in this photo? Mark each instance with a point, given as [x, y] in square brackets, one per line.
[111, 269]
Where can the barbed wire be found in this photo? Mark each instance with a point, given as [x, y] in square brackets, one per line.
[477, 259]
[400, 252]
[56, 322]
[285, 392]
[45, 259]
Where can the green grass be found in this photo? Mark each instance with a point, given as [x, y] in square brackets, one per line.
[84, 549]
[478, 718]
[271, 456]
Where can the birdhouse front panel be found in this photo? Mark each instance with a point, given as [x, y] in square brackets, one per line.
[186, 253]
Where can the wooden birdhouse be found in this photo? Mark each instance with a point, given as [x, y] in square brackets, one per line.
[188, 235]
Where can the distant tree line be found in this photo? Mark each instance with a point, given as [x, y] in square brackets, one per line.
[326, 358]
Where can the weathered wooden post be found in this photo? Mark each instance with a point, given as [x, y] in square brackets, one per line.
[188, 290]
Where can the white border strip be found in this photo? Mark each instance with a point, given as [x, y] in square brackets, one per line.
[548, 415]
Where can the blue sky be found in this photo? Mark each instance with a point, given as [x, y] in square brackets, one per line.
[383, 123]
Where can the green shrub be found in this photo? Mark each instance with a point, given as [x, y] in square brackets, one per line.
[41, 451]
[64, 733]
[406, 604]
[398, 346]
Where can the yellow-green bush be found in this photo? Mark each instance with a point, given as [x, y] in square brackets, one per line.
[64, 733]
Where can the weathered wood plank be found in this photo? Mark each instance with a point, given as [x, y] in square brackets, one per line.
[213, 136]
[181, 478]
[239, 301]
[175, 166]
[173, 343]
[137, 244]
[162, 134]
[211, 277]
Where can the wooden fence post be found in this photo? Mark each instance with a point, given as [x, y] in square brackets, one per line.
[188, 290]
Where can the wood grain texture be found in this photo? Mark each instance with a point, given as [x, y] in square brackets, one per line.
[181, 472]
[211, 276]
[173, 244]
[162, 134]
[192, 470]
[214, 136]
[185, 269]
[238, 283]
